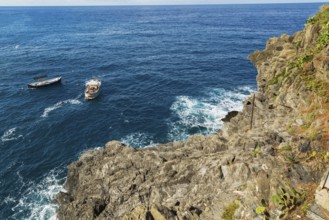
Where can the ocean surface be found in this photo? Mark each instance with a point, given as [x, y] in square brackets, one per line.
[168, 72]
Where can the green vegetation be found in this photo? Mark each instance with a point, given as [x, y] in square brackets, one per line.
[313, 134]
[288, 199]
[321, 17]
[292, 131]
[262, 210]
[229, 211]
[291, 158]
[323, 39]
[306, 125]
[297, 43]
[316, 85]
[304, 59]
[308, 119]
[310, 20]
[286, 147]
[257, 151]
[311, 83]
[278, 79]
[301, 61]
[305, 207]
[322, 155]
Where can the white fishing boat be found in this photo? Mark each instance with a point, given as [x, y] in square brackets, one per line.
[93, 88]
[43, 83]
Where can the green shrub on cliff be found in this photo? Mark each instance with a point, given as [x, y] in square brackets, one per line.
[323, 39]
[288, 199]
[301, 61]
[322, 20]
[304, 59]
[262, 210]
[321, 17]
[310, 20]
[277, 79]
[229, 211]
[316, 85]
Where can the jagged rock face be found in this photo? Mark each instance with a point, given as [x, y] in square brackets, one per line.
[174, 181]
[199, 178]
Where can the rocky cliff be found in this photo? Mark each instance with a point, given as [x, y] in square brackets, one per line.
[265, 163]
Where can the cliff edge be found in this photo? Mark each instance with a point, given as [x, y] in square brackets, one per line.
[265, 163]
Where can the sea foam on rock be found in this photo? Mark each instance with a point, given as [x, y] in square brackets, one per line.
[242, 164]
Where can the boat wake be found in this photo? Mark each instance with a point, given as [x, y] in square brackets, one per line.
[59, 105]
[10, 135]
[203, 115]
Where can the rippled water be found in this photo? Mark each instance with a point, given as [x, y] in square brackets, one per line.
[167, 72]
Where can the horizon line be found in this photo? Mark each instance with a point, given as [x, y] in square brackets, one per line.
[194, 4]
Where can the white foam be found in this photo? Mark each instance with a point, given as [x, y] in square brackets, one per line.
[139, 139]
[10, 135]
[37, 201]
[50, 109]
[204, 114]
[247, 89]
[59, 105]
[8, 200]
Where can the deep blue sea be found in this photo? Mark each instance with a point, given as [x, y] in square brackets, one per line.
[167, 71]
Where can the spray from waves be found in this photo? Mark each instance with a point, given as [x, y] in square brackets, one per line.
[37, 202]
[10, 135]
[203, 115]
[139, 140]
[59, 105]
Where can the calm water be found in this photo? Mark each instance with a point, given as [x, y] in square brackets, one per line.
[167, 72]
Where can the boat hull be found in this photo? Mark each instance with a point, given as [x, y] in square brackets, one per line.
[45, 83]
[93, 89]
[89, 96]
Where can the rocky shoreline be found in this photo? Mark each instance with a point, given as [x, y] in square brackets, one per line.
[278, 142]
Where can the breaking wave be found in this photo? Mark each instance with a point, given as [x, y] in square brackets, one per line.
[37, 202]
[139, 140]
[203, 115]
